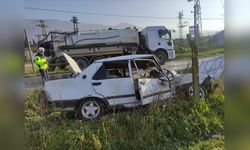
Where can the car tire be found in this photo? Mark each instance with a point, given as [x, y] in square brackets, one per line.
[162, 56]
[90, 109]
[202, 92]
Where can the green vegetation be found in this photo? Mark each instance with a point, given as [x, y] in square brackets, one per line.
[28, 71]
[179, 124]
[186, 53]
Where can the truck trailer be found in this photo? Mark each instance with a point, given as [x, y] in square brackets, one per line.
[89, 46]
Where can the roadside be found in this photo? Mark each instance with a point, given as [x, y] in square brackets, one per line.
[181, 58]
[201, 54]
[35, 81]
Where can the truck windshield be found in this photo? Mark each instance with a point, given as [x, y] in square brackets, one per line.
[165, 34]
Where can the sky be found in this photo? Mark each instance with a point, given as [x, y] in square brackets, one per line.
[156, 8]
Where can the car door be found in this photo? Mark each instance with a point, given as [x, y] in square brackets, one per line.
[117, 88]
[151, 88]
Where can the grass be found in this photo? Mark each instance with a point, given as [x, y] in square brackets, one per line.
[179, 124]
[201, 54]
[28, 71]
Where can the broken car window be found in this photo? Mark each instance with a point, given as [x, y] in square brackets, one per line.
[112, 70]
[147, 68]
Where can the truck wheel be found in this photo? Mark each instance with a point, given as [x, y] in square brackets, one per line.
[97, 58]
[52, 67]
[62, 67]
[82, 63]
[162, 56]
[90, 109]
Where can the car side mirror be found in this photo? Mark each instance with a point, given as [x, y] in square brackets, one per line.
[84, 76]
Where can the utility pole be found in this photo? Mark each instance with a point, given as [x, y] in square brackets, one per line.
[28, 44]
[194, 46]
[74, 20]
[181, 26]
[197, 19]
[43, 26]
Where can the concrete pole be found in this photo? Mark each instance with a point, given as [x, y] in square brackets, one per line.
[195, 64]
[28, 44]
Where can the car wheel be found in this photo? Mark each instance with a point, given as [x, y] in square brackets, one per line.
[90, 109]
[162, 56]
[202, 92]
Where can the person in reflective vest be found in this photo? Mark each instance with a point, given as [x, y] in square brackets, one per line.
[41, 63]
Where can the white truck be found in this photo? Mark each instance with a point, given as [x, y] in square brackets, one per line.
[87, 47]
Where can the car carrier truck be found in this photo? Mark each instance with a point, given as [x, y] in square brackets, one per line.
[89, 46]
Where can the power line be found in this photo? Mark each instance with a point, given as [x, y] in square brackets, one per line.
[110, 15]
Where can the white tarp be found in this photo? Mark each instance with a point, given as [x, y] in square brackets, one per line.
[213, 67]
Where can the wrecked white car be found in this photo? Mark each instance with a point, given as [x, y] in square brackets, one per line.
[124, 81]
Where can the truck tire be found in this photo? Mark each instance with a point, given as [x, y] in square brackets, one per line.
[52, 67]
[97, 58]
[90, 109]
[162, 56]
[82, 63]
[62, 67]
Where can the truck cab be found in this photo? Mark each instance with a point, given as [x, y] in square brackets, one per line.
[158, 41]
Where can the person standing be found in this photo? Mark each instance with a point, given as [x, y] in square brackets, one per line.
[41, 64]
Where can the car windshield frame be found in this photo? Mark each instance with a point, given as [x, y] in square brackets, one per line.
[153, 60]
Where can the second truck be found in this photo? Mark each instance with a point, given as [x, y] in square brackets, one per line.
[87, 47]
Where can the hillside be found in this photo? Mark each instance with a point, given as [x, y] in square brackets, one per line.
[58, 25]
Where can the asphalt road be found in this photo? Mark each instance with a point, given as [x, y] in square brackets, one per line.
[35, 82]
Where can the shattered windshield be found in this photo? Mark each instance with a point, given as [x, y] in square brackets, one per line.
[147, 68]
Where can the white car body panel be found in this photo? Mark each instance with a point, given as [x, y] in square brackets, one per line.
[117, 91]
[153, 90]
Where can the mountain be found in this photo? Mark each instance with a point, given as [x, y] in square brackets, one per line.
[58, 25]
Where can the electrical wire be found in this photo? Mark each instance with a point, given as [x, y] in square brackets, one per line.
[110, 15]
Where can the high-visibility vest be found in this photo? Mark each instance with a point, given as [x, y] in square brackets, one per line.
[41, 62]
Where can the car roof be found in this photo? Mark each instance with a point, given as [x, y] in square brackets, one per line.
[126, 57]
